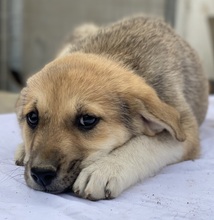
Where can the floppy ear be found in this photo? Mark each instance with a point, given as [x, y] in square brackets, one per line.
[20, 103]
[155, 115]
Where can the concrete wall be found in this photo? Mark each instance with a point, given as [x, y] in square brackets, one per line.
[193, 23]
[3, 44]
[37, 27]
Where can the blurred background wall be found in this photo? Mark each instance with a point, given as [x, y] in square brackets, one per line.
[32, 31]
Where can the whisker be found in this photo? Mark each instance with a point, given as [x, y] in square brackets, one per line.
[14, 173]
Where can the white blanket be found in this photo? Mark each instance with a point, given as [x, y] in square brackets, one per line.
[179, 191]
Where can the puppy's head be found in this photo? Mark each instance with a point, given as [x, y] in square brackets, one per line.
[82, 107]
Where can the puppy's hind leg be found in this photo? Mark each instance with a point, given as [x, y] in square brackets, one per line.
[20, 155]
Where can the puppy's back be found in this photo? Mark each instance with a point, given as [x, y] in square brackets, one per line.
[151, 49]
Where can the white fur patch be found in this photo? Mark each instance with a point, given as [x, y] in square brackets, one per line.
[141, 157]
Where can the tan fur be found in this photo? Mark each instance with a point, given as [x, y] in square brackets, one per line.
[148, 89]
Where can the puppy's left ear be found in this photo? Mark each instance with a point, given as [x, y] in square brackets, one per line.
[20, 103]
[151, 115]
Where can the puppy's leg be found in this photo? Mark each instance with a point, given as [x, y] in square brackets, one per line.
[141, 157]
[20, 155]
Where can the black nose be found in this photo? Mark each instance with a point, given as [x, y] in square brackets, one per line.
[43, 177]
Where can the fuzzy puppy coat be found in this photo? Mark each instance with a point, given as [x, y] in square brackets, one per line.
[118, 104]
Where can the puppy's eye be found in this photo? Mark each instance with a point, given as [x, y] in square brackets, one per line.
[87, 122]
[32, 119]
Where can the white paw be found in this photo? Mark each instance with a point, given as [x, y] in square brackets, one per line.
[20, 155]
[100, 180]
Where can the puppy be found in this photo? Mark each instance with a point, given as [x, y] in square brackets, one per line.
[118, 104]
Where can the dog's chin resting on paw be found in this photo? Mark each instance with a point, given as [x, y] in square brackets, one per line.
[118, 104]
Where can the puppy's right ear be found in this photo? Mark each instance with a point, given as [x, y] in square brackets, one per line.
[20, 103]
[149, 114]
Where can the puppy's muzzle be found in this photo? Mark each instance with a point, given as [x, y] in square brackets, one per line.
[43, 177]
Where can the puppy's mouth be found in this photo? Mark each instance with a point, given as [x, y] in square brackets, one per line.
[53, 191]
[51, 180]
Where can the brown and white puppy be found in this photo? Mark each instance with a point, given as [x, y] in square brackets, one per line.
[119, 104]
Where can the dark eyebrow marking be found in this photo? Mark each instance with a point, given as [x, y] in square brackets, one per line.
[35, 104]
[79, 109]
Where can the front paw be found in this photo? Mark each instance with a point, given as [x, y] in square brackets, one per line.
[100, 180]
[20, 155]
